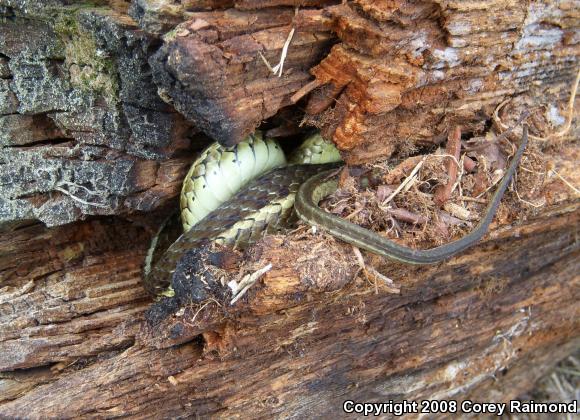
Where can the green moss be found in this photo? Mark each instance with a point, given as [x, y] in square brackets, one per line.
[172, 34]
[90, 70]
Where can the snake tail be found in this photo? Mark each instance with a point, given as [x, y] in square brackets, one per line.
[319, 187]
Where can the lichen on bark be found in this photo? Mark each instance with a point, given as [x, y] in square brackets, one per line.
[82, 126]
[90, 68]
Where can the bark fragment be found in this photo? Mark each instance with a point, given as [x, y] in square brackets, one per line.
[211, 68]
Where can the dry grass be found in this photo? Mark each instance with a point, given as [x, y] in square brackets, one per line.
[561, 385]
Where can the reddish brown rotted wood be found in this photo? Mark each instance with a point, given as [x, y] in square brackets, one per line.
[411, 70]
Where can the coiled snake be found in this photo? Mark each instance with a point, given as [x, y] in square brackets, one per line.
[266, 203]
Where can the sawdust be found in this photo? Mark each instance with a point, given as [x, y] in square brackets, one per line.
[321, 264]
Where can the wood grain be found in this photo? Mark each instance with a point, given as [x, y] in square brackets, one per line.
[300, 342]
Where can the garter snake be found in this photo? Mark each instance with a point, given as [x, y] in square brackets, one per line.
[263, 205]
[212, 210]
[316, 188]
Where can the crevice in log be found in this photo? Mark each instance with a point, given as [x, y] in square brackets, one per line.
[64, 141]
[210, 68]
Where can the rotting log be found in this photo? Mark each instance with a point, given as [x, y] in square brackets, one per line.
[408, 71]
[90, 92]
[86, 133]
[66, 291]
[89, 121]
[79, 337]
[400, 73]
[485, 325]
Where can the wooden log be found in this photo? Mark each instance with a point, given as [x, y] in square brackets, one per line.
[61, 297]
[405, 72]
[79, 336]
[300, 342]
[84, 132]
[79, 99]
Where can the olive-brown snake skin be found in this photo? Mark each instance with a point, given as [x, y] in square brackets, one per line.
[316, 188]
[263, 205]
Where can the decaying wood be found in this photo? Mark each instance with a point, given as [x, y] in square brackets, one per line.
[402, 73]
[216, 68]
[82, 129]
[79, 336]
[408, 71]
[299, 342]
[100, 108]
[160, 16]
[90, 94]
[453, 149]
[61, 299]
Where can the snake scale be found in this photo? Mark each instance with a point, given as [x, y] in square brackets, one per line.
[265, 204]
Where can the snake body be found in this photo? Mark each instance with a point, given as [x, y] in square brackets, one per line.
[220, 172]
[211, 210]
[264, 204]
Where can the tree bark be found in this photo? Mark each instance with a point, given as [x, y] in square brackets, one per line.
[82, 129]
